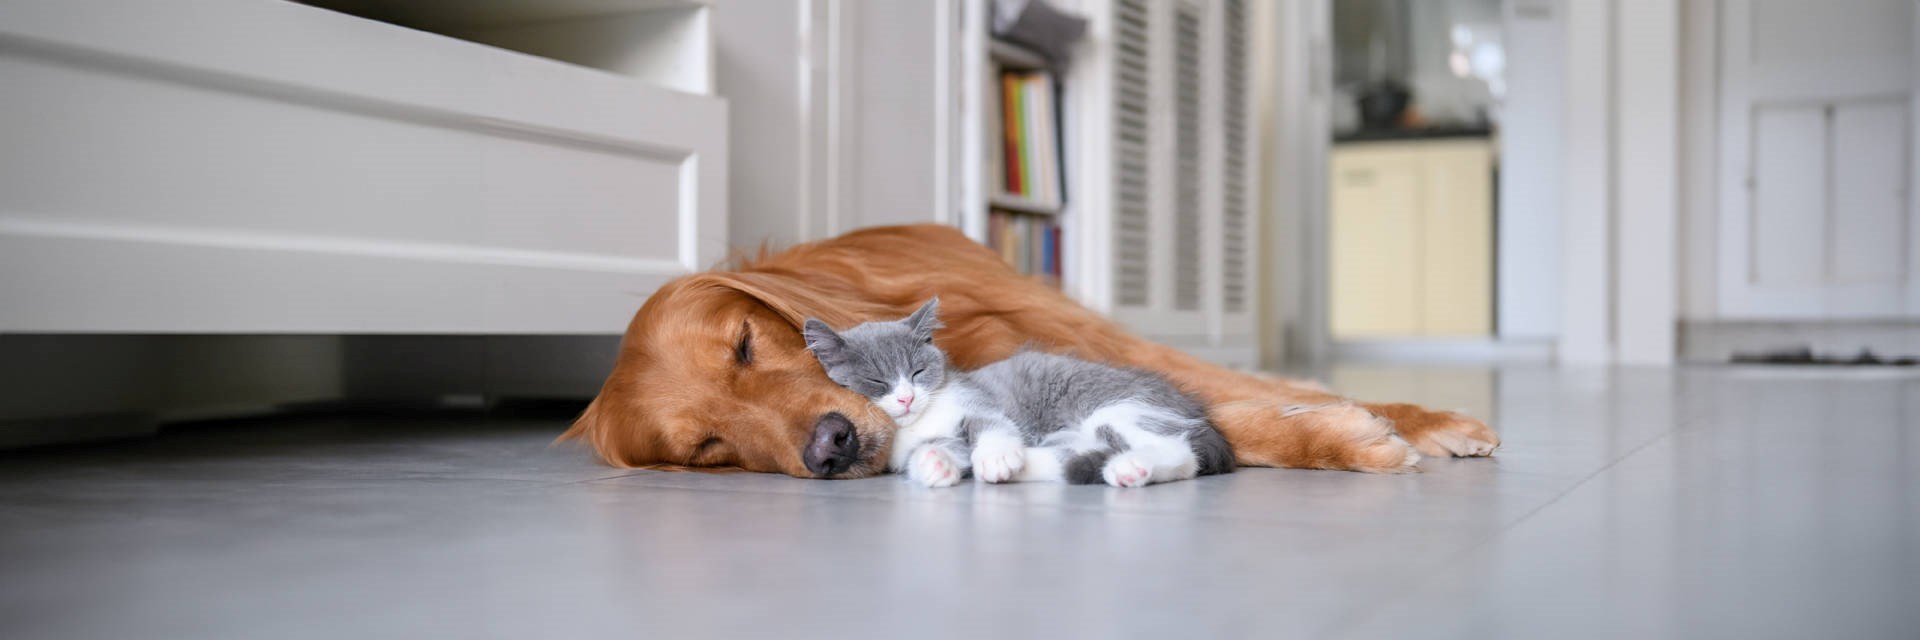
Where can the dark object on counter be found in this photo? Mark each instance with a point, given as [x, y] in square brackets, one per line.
[1382, 103]
[1414, 133]
[1805, 355]
[1038, 26]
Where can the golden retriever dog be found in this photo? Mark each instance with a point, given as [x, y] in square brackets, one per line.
[713, 373]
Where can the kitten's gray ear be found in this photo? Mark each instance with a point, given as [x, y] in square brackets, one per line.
[822, 341]
[924, 321]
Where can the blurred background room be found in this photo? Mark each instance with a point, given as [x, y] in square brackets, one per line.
[335, 272]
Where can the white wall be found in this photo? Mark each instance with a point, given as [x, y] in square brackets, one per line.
[1700, 220]
[1620, 195]
[891, 116]
[760, 64]
[1647, 166]
[836, 115]
[1528, 277]
[1296, 63]
[1586, 242]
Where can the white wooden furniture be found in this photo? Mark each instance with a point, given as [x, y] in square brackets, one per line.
[1816, 161]
[1160, 224]
[1412, 239]
[257, 166]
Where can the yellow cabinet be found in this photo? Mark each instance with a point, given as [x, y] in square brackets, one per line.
[1412, 239]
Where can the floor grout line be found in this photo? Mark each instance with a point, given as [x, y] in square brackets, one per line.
[616, 476]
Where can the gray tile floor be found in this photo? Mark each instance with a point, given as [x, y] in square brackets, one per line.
[1629, 503]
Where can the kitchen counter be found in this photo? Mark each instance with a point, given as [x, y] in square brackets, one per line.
[1417, 133]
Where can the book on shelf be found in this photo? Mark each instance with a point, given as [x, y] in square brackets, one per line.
[1031, 243]
[1029, 154]
[1026, 183]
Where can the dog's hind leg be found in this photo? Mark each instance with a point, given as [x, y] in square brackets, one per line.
[1335, 435]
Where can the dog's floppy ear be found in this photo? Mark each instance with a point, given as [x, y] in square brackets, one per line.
[925, 320]
[795, 298]
[826, 345]
[617, 436]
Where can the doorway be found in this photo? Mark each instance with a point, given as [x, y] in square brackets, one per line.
[1417, 108]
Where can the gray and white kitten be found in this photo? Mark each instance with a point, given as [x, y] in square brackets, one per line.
[1033, 417]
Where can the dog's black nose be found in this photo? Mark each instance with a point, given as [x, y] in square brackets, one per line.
[834, 446]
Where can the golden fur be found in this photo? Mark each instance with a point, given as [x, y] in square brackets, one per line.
[679, 396]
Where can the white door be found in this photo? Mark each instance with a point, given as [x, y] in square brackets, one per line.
[1816, 160]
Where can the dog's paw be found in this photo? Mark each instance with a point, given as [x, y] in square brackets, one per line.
[1440, 434]
[1386, 452]
[933, 467]
[1126, 470]
[1396, 445]
[995, 461]
[1460, 436]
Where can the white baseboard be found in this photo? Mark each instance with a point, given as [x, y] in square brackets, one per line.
[1445, 351]
[1717, 341]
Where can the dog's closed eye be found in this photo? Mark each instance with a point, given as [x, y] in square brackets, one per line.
[705, 449]
[743, 350]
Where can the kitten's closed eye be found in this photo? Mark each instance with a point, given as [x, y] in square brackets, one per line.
[917, 372]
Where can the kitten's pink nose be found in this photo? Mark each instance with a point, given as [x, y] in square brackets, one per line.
[906, 401]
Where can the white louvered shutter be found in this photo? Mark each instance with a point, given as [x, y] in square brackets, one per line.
[1182, 226]
[1236, 334]
[1187, 175]
[1236, 209]
[1132, 153]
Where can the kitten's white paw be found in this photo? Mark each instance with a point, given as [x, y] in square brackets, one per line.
[933, 467]
[995, 461]
[1126, 470]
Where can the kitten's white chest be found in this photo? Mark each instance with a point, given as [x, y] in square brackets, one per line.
[940, 419]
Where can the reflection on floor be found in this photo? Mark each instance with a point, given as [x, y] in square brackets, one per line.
[1630, 503]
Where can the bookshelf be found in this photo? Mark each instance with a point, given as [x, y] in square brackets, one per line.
[1078, 260]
